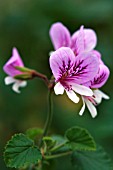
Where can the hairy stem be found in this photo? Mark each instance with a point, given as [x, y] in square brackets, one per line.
[49, 116]
[58, 147]
[58, 155]
[41, 76]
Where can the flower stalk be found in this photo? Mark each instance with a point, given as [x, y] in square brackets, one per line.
[58, 155]
[41, 76]
[58, 147]
[49, 116]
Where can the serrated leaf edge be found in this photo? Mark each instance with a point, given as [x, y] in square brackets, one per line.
[19, 134]
[90, 136]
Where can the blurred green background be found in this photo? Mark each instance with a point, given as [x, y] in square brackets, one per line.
[25, 24]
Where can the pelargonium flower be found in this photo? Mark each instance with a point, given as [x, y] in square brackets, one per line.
[70, 72]
[98, 81]
[83, 40]
[12, 71]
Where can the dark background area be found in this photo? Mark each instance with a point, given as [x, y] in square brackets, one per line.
[25, 24]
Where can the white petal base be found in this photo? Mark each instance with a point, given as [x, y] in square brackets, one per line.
[99, 95]
[82, 90]
[17, 84]
[71, 94]
[91, 108]
[59, 89]
[83, 108]
[9, 80]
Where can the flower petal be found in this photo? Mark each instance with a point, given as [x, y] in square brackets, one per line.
[77, 43]
[61, 61]
[105, 96]
[101, 78]
[85, 68]
[97, 53]
[82, 90]
[23, 84]
[60, 36]
[90, 39]
[15, 60]
[91, 108]
[72, 96]
[18, 84]
[85, 38]
[9, 80]
[87, 84]
[59, 89]
[50, 53]
[99, 95]
[83, 108]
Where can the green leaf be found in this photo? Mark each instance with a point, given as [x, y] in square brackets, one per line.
[21, 151]
[92, 160]
[59, 139]
[49, 142]
[32, 133]
[80, 139]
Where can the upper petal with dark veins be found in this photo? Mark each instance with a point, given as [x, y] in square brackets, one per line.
[85, 68]
[101, 78]
[62, 62]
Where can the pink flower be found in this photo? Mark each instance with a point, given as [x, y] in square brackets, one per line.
[97, 82]
[83, 40]
[71, 72]
[10, 69]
